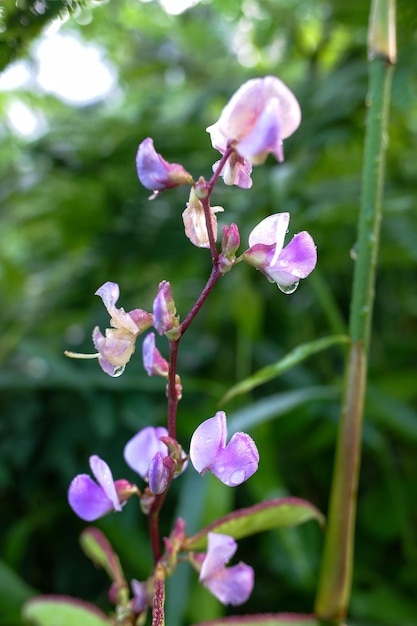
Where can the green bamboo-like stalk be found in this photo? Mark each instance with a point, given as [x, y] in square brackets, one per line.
[337, 564]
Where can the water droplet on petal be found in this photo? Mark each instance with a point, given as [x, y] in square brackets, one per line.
[237, 477]
[118, 371]
[288, 289]
[220, 469]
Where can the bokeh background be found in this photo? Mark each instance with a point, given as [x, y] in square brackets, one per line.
[82, 84]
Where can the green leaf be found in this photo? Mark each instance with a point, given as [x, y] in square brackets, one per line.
[294, 357]
[62, 611]
[276, 513]
[267, 619]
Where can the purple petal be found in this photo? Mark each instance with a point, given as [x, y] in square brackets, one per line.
[207, 440]
[141, 449]
[87, 499]
[104, 477]
[153, 362]
[232, 585]
[237, 462]
[297, 260]
[220, 549]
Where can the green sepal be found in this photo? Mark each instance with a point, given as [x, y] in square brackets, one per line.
[276, 513]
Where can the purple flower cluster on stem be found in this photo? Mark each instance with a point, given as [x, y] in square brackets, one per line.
[260, 115]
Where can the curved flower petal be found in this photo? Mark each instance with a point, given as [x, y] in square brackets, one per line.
[87, 499]
[237, 462]
[297, 260]
[231, 585]
[104, 477]
[220, 549]
[207, 440]
[153, 361]
[271, 230]
[141, 449]
[155, 173]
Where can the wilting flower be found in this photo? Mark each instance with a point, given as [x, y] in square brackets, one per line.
[165, 319]
[232, 585]
[152, 459]
[157, 174]
[260, 115]
[232, 463]
[91, 500]
[118, 344]
[195, 221]
[284, 266]
[153, 362]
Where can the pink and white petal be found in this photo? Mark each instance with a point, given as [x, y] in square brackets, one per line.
[271, 231]
[290, 108]
[87, 499]
[232, 585]
[237, 461]
[104, 477]
[141, 449]
[265, 135]
[220, 549]
[297, 260]
[207, 440]
[109, 293]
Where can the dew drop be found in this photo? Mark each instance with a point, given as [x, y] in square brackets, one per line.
[288, 289]
[237, 477]
[118, 371]
[220, 469]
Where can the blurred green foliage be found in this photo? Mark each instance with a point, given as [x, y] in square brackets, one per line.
[73, 215]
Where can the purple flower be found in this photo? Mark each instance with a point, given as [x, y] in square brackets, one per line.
[153, 362]
[91, 500]
[232, 585]
[232, 464]
[141, 449]
[260, 115]
[118, 344]
[157, 174]
[284, 266]
[154, 460]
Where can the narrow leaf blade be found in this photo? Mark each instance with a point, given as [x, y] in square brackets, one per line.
[299, 354]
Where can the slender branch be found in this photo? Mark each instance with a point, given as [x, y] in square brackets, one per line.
[337, 564]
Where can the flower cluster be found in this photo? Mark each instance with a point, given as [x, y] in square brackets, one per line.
[255, 122]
